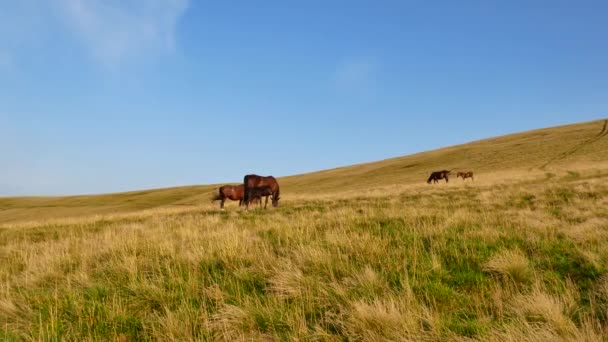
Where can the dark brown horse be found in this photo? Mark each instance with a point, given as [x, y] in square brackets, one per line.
[232, 192]
[251, 182]
[438, 175]
[256, 194]
[465, 175]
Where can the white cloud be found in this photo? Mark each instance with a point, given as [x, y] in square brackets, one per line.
[355, 75]
[116, 30]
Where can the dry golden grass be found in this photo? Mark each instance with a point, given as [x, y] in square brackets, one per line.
[511, 264]
[517, 255]
[495, 261]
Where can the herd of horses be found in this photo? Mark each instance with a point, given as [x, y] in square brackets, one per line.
[255, 187]
[252, 190]
[436, 176]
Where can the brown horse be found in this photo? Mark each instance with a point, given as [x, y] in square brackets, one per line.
[232, 192]
[254, 181]
[465, 175]
[438, 175]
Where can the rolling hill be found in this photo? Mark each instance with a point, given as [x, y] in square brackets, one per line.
[551, 149]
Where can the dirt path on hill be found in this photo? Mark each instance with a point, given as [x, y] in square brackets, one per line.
[564, 155]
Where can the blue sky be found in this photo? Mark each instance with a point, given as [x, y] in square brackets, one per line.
[109, 95]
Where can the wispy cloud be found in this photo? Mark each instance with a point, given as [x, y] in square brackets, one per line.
[355, 75]
[116, 30]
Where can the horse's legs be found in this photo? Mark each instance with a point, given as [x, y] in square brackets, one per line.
[222, 203]
[265, 204]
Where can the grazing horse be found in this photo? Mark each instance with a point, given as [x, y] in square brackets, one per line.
[256, 194]
[438, 175]
[254, 181]
[232, 192]
[465, 175]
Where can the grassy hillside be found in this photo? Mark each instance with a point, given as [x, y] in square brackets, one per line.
[39, 208]
[497, 261]
[371, 254]
[556, 148]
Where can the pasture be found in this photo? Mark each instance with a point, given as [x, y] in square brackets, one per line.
[368, 252]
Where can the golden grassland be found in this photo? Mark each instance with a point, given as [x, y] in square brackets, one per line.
[520, 254]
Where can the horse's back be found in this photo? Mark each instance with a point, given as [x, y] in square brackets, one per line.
[251, 180]
[254, 181]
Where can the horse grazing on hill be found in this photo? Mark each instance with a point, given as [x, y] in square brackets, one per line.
[232, 192]
[251, 182]
[438, 175]
[465, 175]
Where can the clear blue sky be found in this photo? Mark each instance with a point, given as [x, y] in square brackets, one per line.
[110, 95]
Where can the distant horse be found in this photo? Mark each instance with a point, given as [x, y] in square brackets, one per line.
[256, 194]
[438, 175]
[465, 175]
[254, 181]
[232, 192]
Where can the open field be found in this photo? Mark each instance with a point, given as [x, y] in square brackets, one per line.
[372, 253]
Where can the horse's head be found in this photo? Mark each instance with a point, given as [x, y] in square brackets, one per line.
[275, 201]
